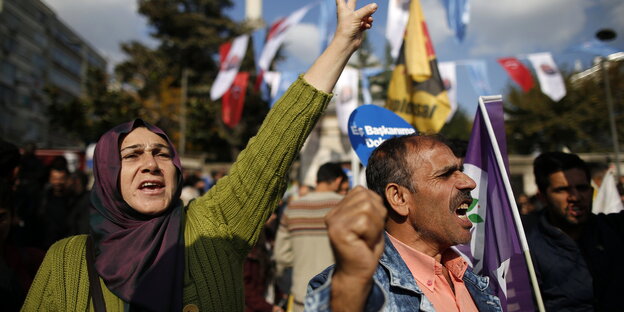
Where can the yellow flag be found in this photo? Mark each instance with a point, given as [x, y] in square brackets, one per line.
[416, 91]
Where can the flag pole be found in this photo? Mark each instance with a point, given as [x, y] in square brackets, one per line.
[512, 201]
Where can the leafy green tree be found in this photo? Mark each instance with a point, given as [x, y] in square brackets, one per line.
[190, 33]
[99, 110]
[578, 122]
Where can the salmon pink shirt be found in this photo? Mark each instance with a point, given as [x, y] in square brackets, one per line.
[428, 275]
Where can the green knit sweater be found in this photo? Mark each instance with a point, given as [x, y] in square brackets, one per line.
[220, 227]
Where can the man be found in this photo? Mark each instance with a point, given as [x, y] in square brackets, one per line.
[302, 241]
[577, 254]
[56, 205]
[426, 197]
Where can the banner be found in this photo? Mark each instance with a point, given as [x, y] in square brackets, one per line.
[231, 55]
[477, 73]
[448, 73]
[550, 80]
[398, 14]
[277, 34]
[346, 96]
[607, 199]
[284, 80]
[327, 14]
[495, 249]
[518, 72]
[416, 92]
[370, 125]
[458, 16]
[234, 99]
[367, 97]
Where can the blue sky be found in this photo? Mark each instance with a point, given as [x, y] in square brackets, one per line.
[497, 29]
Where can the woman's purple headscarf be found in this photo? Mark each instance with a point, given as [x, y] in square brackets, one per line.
[140, 257]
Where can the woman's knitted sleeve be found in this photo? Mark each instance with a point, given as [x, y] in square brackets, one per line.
[244, 199]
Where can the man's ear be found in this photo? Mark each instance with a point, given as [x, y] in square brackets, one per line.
[397, 198]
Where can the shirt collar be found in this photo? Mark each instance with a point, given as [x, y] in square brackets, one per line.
[424, 268]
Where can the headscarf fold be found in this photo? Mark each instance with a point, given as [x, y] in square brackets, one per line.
[139, 257]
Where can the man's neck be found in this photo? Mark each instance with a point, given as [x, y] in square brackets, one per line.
[417, 242]
[323, 187]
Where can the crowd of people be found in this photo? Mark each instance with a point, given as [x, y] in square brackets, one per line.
[148, 237]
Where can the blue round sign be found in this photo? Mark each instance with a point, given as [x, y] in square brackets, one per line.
[370, 125]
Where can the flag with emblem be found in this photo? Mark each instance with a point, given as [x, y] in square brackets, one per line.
[416, 91]
[548, 75]
[498, 245]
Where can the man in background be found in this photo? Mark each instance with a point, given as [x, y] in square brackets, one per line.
[302, 241]
[577, 254]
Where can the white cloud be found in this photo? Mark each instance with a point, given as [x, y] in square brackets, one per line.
[104, 23]
[512, 27]
[435, 16]
[301, 43]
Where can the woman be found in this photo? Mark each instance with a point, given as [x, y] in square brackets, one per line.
[151, 253]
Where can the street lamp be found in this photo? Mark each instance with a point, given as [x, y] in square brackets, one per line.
[608, 35]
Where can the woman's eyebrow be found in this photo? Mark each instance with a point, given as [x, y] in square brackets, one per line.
[131, 147]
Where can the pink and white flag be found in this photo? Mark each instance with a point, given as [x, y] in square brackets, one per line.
[549, 77]
[277, 33]
[230, 65]
[398, 14]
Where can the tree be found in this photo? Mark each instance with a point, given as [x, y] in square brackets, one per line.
[99, 110]
[578, 122]
[190, 33]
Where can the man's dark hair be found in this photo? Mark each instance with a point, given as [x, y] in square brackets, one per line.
[329, 172]
[550, 162]
[388, 162]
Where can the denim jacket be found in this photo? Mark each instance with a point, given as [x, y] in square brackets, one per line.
[394, 288]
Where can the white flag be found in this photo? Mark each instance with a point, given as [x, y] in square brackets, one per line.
[346, 95]
[398, 14]
[229, 67]
[449, 78]
[608, 198]
[549, 77]
[277, 33]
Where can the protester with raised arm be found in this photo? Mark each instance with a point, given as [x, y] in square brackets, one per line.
[148, 252]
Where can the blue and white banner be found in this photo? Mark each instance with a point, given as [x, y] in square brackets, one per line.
[370, 125]
[477, 72]
[346, 96]
[458, 16]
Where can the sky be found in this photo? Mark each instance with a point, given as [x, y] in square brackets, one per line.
[502, 28]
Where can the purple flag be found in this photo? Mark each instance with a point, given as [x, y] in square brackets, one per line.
[495, 249]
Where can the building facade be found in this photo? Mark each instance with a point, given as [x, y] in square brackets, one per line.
[38, 52]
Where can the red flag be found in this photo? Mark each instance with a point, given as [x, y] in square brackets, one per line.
[233, 99]
[518, 72]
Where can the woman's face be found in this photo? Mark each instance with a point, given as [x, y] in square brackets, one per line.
[148, 176]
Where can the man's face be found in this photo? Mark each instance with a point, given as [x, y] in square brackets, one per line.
[439, 205]
[148, 175]
[568, 197]
[58, 181]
